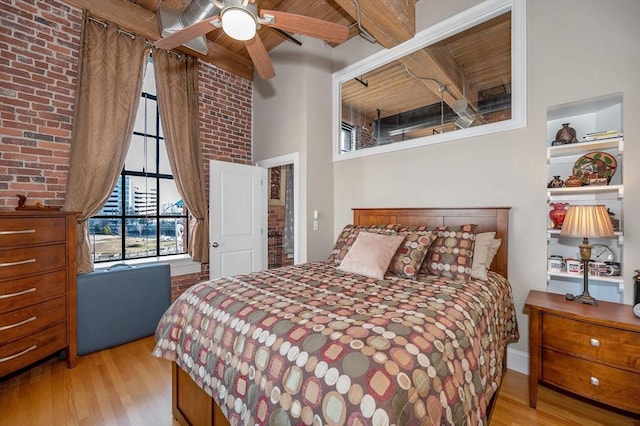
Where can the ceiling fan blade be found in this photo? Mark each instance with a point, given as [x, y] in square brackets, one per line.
[260, 58]
[186, 34]
[305, 25]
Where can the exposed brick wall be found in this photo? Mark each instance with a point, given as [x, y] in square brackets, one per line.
[39, 54]
[276, 222]
[276, 218]
[225, 116]
[182, 282]
[225, 120]
[39, 50]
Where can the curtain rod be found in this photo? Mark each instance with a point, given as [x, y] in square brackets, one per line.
[131, 35]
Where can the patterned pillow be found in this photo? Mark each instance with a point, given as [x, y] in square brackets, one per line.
[407, 260]
[451, 254]
[347, 237]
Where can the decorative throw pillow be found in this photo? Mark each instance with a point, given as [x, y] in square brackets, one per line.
[371, 254]
[411, 253]
[479, 266]
[349, 234]
[451, 254]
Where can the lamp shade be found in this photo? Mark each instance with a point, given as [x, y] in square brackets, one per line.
[590, 221]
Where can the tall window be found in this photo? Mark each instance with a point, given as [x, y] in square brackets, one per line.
[144, 216]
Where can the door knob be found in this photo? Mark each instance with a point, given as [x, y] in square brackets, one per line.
[214, 244]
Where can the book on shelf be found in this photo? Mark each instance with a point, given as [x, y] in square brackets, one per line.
[597, 136]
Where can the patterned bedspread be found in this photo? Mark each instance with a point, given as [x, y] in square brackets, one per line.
[309, 344]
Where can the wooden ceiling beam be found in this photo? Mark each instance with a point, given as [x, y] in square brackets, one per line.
[438, 64]
[390, 22]
[144, 23]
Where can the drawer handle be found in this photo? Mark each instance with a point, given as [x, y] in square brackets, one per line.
[594, 381]
[595, 342]
[20, 293]
[9, 358]
[18, 324]
[21, 262]
[25, 231]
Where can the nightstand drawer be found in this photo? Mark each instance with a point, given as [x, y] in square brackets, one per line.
[610, 345]
[19, 293]
[30, 260]
[608, 385]
[32, 348]
[22, 322]
[33, 230]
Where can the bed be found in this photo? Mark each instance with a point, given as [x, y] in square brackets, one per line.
[318, 344]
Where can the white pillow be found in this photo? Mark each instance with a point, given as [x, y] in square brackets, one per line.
[371, 254]
[479, 265]
[493, 249]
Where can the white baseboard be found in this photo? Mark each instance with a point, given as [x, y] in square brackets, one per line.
[518, 361]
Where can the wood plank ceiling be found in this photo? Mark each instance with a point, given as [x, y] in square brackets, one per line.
[466, 63]
[474, 65]
[140, 17]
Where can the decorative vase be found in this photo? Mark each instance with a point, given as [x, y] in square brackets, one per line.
[556, 182]
[573, 181]
[567, 134]
[557, 214]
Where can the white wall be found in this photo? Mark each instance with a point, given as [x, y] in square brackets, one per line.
[290, 115]
[564, 38]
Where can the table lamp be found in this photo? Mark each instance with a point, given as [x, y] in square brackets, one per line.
[591, 221]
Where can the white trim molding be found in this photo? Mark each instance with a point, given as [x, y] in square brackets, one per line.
[180, 264]
[460, 22]
[283, 160]
[518, 361]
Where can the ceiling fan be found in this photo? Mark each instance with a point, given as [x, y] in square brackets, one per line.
[240, 20]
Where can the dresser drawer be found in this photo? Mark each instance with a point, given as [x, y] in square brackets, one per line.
[32, 348]
[612, 386]
[610, 345]
[33, 230]
[29, 260]
[19, 293]
[25, 321]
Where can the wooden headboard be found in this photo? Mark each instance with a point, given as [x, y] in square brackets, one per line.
[487, 218]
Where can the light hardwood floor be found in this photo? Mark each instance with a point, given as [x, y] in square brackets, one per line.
[125, 385]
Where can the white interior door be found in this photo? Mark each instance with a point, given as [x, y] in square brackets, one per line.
[238, 219]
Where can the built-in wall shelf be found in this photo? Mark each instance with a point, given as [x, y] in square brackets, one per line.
[555, 233]
[581, 147]
[590, 191]
[607, 279]
[587, 117]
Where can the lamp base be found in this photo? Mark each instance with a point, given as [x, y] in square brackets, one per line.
[586, 298]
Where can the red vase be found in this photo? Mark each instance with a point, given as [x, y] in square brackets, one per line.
[557, 214]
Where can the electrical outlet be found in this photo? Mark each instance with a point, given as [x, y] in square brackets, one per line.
[315, 225]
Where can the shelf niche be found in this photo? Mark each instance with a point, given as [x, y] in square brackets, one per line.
[603, 113]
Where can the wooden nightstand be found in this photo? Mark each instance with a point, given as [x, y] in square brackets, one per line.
[591, 351]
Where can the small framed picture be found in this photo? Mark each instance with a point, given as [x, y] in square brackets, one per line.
[598, 181]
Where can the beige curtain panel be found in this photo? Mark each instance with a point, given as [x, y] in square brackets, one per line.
[177, 87]
[107, 95]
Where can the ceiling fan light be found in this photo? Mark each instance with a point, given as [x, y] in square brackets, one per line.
[238, 23]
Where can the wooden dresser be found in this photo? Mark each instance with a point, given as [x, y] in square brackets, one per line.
[37, 287]
[591, 351]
